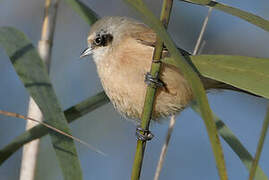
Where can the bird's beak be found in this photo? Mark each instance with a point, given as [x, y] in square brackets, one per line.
[86, 52]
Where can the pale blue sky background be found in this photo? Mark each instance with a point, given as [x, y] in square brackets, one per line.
[189, 155]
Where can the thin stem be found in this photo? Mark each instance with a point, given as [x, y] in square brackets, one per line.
[165, 147]
[12, 114]
[260, 146]
[202, 31]
[30, 151]
[150, 94]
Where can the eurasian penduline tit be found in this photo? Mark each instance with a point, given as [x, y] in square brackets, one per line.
[122, 50]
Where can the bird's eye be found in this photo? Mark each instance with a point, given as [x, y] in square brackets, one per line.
[102, 40]
[98, 41]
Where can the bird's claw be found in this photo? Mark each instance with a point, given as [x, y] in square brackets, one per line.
[154, 82]
[143, 134]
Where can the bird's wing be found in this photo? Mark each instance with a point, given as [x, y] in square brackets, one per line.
[147, 37]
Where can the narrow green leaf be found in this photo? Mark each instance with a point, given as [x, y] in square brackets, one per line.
[75, 112]
[235, 144]
[86, 13]
[33, 75]
[247, 73]
[86, 106]
[249, 17]
[71, 114]
[265, 125]
[192, 79]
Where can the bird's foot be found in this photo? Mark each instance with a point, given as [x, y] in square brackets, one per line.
[143, 134]
[152, 81]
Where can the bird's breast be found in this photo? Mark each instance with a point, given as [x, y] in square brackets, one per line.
[122, 74]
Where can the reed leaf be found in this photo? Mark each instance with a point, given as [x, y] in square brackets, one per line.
[73, 113]
[84, 11]
[254, 167]
[239, 149]
[246, 73]
[249, 17]
[32, 72]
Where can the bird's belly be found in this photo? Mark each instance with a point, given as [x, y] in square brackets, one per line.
[127, 93]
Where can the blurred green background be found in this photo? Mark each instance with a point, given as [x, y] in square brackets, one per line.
[189, 154]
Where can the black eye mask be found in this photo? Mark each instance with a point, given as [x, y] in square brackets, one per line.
[102, 40]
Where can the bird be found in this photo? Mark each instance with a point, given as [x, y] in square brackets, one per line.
[122, 49]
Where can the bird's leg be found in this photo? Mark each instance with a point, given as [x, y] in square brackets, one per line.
[152, 81]
[143, 134]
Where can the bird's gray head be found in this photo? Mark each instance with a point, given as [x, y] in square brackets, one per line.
[105, 34]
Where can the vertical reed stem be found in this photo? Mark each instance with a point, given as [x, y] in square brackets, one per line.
[30, 150]
[150, 94]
